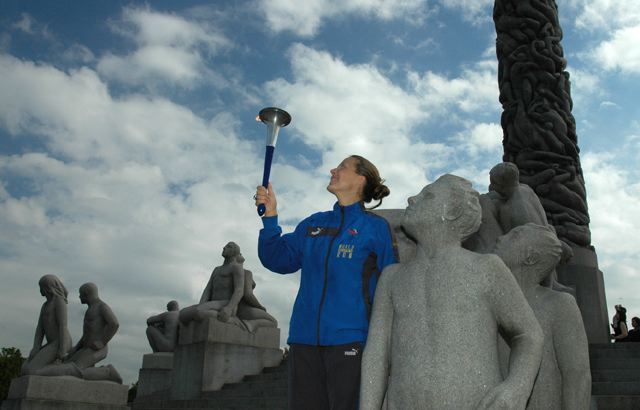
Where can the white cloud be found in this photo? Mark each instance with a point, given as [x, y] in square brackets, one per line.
[170, 48]
[474, 11]
[481, 138]
[620, 52]
[305, 20]
[604, 15]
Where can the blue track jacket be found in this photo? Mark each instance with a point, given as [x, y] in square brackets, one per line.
[341, 254]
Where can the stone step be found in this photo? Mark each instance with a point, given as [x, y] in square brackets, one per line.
[618, 363]
[614, 402]
[615, 351]
[619, 388]
[614, 375]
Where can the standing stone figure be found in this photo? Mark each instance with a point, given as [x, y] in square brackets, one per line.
[229, 297]
[52, 325]
[433, 339]
[100, 325]
[162, 329]
[564, 381]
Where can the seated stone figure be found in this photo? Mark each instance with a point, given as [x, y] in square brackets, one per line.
[229, 297]
[162, 329]
[100, 325]
[433, 338]
[52, 325]
[564, 381]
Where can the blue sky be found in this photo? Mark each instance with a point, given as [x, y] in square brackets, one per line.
[129, 152]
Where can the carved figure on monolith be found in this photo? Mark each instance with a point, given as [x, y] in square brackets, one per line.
[229, 296]
[433, 339]
[564, 380]
[100, 325]
[52, 325]
[162, 329]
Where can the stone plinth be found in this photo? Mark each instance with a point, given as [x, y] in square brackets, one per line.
[211, 354]
[64, 392]
[582, 274]
[155, 374]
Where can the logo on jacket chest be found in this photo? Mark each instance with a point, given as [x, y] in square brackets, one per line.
[345, 251]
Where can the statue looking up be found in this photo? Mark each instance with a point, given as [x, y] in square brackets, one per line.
[52, 325]
[162, 330]
[564, 381]
[229, 296]
[433, 338]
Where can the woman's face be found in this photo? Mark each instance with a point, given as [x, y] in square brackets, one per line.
[345, 179]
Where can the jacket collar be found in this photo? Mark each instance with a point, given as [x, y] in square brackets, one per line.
[349, 210]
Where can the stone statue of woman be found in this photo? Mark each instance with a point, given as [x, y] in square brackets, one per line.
[52, 325]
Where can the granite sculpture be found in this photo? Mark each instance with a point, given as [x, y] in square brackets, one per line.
[52, 326]
[564, 380]
[539, 131]
[162, 329]
[436, 318]
[229, 327]
[228, 296]
[100, 325]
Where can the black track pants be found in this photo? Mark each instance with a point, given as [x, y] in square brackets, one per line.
[324, 377]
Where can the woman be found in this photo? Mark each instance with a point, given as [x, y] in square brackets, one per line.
[619, 324]
[634, 334]
[52, 325]
[341, 253]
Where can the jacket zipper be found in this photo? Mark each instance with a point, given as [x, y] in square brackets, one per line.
[326, 275]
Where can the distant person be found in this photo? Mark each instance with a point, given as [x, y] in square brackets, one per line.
[634, 334]
[619, 324]
[162, 330]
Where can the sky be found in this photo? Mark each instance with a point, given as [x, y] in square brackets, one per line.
[129, 150]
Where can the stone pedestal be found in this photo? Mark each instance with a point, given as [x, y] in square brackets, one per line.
[211, 354]
[582, 274]
[64, 393]
[155, 374]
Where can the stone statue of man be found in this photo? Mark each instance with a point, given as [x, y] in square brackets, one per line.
[564, 381]
[162, 329]
[229, 296]
[433, 339]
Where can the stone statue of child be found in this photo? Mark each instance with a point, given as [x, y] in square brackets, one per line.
[99, 326]
[433, 338]
[517, 205]
[162, 329]
[564, 381]
[52, 325]
[229, 297]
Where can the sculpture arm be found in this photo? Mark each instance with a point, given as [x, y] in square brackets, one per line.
[238, 291]
[110, 328]
[572, 354]
[523, 334]
[377, 352]
[153, 320]
[39, 336]
[61, 318]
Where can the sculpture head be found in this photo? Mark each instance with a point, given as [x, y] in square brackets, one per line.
[88, 292]
[531, 250]
[504, 178]
[231, 250]
[172, 306]
[51, 285]
[449, 204]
